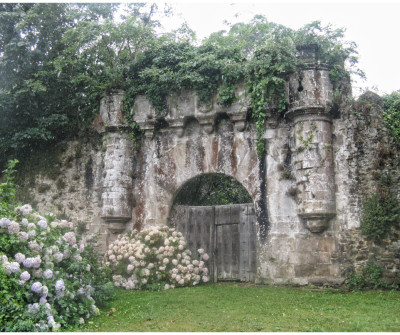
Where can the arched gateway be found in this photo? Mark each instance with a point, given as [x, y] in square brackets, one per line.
[227, 233]
[292, 185]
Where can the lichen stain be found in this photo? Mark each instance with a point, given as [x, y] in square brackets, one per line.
[214, 156]
[139, 211]
[165, 171]
[234, 158]
[317, 92]
[202, 156]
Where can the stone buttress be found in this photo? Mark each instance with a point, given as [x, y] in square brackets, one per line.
[118, 165]
[310, 94]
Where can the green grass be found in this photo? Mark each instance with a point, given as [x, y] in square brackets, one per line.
[236, 307]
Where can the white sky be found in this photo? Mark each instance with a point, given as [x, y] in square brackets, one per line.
[374, 26]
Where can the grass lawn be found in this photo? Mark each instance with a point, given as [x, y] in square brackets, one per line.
[232, 307]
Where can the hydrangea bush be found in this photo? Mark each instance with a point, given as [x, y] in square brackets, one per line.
[47, 276]
[155, 258]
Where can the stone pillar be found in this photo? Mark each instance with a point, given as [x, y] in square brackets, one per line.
[309, 93]
[117, 183]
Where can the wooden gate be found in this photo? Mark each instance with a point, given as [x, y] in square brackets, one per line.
[227, 233]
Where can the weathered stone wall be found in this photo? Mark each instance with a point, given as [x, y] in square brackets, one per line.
[365, 155]
[307, 188]
[194, 141]
[67, 180]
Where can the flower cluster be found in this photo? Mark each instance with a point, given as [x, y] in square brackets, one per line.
[41, 259]
[156, 257]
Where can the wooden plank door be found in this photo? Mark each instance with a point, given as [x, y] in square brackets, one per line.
[248, 246]
[226, 233]
[197, 226]
[227, 249]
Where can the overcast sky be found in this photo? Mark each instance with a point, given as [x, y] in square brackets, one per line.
[375, 27]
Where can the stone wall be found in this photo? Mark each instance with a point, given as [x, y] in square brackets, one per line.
[67, 180]
[307, 189]
[366, 154]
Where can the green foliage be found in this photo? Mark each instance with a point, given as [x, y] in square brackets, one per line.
[391, 115]
[177, 66]
[7, 189]
[41, 252]
[370, 278]
[381, 212]
[267, 72]
[57, 60]
[212, 189]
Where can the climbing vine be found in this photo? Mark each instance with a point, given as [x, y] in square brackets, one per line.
[56, 61]
[226, 59]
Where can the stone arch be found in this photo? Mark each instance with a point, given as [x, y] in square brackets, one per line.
[227, 232]
[189, 180]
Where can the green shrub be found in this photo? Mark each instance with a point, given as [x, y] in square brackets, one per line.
[391, 105]
[381, 212]
[370, 278]
[356, 281]
[48, 279]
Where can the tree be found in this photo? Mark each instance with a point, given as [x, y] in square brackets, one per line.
[56, 60]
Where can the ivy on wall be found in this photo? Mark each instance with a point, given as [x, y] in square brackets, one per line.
[56, 61]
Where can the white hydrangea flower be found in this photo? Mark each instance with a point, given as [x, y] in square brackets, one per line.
[4, 223]
[34, 246]
[70, 238]
[25, 209]
[37, 261]
[37, 273]
[36, 287]
[28, 262]
[12, 267]
[58, 256]
[19, 257]
[23, 236]
[13, 227]
[42, 224]
[31, 225]
[4, 259]
[54, 224]
[32, 233]
[60, 285]
[25, 276]
[33, 308]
